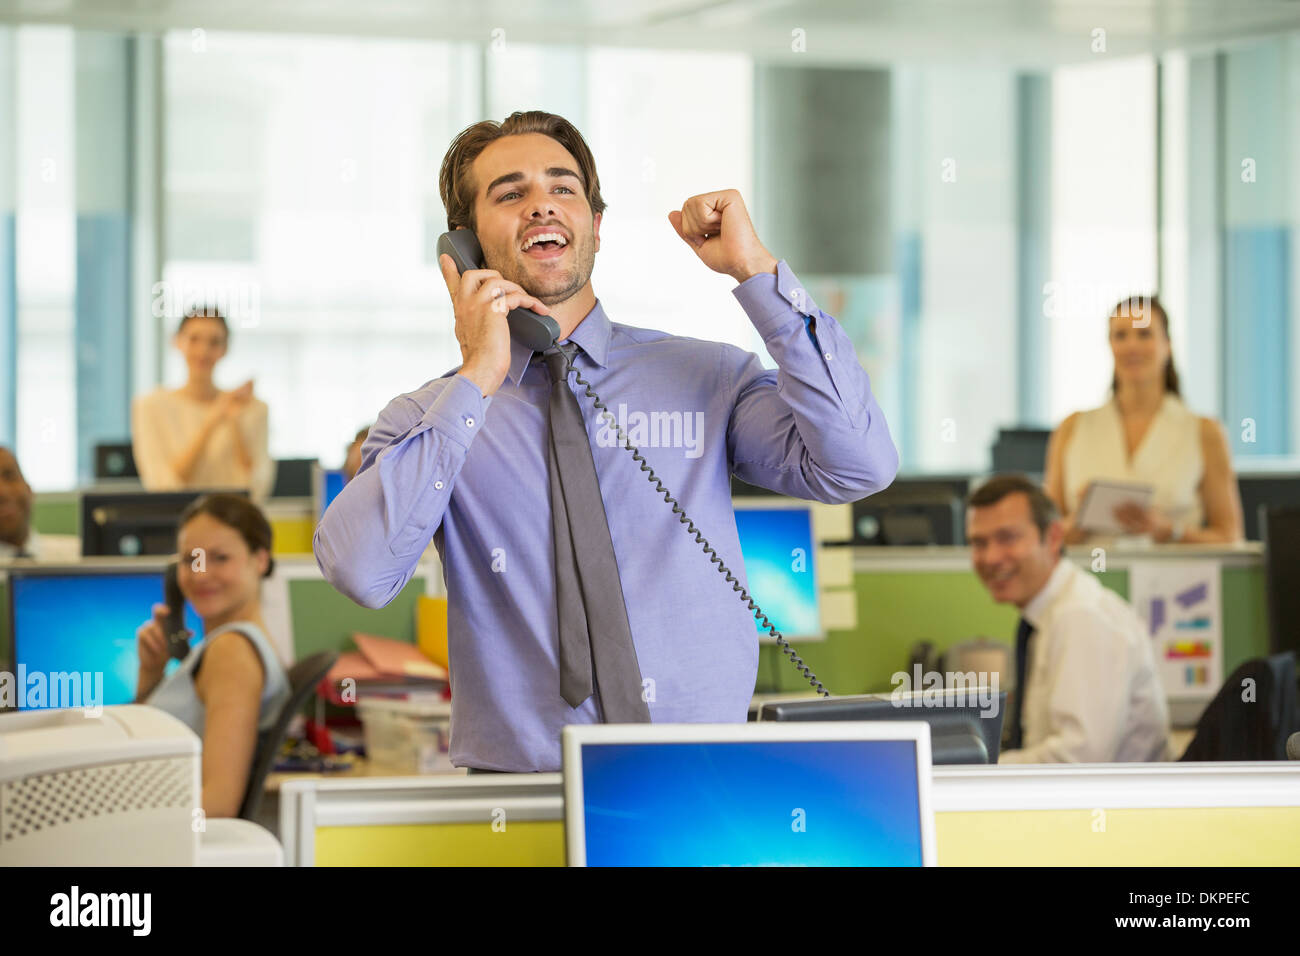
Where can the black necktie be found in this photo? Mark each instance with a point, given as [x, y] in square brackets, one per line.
[596, 650]
[1023, 633]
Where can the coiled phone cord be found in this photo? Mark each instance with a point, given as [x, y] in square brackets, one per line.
[685, 519]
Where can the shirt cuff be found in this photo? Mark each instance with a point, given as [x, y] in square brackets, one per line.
[457, 412]
[774, 301]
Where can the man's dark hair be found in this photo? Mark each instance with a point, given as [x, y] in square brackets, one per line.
[455, 182]
[999, 486]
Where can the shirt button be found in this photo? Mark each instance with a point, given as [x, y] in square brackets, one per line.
[827, 356]
[469, 422]
[438, 485]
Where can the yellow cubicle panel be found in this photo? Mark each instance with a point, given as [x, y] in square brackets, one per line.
[1183, 836]
[525, 843]
[1219, 836]
[1175, 814]
[291, 535]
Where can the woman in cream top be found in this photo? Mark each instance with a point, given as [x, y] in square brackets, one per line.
[198, 436]
[1145, 434]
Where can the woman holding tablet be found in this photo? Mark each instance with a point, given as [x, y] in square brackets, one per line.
[198, 436]
[1145, 435]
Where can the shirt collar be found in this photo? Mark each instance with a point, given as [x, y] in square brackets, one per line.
[592, 336]
[1056, 581]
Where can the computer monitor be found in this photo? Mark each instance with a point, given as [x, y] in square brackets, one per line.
[134, 523]
[326, 483]
[293, 478]
[965, 724]
[749, 794]
[1021, 450]
[913, 511]
[780, 553]
[1265, 491]
[83, 619]
[115, 461]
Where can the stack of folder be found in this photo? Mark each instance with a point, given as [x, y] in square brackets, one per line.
[383, 667]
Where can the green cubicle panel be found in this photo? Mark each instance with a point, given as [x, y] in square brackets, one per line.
[323, 619]
[1245, 616]
[945, 606]
[56, 513]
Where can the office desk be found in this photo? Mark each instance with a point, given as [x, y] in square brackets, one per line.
[1225, 814]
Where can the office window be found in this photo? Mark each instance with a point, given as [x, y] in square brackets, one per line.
[1103, 219]
[955, 228]
[1261, 209]
[45, 231]
[301, 195]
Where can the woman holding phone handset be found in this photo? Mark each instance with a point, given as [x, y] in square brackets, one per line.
[231, 686]
[199, 436]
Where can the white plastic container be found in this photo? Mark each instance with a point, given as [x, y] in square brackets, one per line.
[407, 736]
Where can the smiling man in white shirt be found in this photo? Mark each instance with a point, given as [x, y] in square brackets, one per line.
[1087, 689]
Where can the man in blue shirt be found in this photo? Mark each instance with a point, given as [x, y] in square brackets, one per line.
[464, 458]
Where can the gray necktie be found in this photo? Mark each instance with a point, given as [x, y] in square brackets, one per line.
[593, 619]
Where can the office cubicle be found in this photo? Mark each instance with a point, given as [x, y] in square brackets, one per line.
[1222, 814]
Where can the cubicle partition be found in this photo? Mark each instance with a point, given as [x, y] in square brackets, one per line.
[893, 599]
[303, 612]
[908, 595]
[1226, 814]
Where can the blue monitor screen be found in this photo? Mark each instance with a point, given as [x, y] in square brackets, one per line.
[86, 623]
[766, 803]
[777, 545]
[332, 483]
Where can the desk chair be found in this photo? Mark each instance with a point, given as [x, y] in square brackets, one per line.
[303, 678]
[1233, 729]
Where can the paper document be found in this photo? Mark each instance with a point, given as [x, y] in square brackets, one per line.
[1097, 510]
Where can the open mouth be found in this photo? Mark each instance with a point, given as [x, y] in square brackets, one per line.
[544, 245]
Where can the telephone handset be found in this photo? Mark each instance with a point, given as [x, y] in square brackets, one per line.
[539, 333]
[178, 635]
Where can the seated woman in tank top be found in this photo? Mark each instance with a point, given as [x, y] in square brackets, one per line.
[231, 686]
[1145, 434]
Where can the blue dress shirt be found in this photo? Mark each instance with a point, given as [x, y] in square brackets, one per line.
[471, 472]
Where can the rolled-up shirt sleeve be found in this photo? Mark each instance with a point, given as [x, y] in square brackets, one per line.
[371, 537]
[811, 428]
